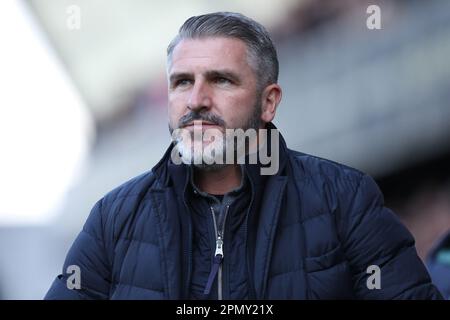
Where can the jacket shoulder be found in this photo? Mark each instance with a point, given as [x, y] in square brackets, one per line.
[330, 186]
[119, 204]
[314, 167]
[135, 187]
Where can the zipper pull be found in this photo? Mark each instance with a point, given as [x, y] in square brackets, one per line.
[218, 256]
[219, 247]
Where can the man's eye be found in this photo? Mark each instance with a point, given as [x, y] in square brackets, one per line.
[222, 80]
[182, 82]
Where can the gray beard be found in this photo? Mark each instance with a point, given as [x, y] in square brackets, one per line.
[253, 122]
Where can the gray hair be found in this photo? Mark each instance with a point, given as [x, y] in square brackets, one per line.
[261, 51]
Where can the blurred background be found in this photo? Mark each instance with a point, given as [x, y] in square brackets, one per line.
[83, 108]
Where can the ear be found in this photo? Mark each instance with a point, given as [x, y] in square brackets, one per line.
[270, 99]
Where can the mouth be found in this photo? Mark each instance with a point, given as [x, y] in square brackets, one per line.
[200, 123]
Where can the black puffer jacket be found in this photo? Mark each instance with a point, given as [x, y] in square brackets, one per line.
[312, 232]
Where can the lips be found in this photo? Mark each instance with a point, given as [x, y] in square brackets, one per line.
[204, 124]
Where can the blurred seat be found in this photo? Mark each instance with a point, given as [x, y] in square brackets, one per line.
[438, 263]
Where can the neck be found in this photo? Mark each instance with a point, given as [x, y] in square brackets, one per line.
[218, 181]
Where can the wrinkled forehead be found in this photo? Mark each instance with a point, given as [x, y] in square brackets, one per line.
[209, 52]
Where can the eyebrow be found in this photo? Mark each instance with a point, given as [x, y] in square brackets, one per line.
[209, 75]
[223, 73]
[179, 75]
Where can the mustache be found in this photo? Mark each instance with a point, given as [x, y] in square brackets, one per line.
[208, 117]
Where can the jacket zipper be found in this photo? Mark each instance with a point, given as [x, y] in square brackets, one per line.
[218, 256]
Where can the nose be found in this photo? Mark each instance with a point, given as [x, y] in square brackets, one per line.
[200, 97]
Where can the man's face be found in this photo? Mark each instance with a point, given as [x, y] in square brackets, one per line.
[211, 82]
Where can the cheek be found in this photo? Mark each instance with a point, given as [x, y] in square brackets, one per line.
[175, 110]
[239, 111]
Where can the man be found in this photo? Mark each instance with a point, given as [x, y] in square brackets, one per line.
[199, 227]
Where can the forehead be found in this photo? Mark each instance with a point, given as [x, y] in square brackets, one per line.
[217, 52]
